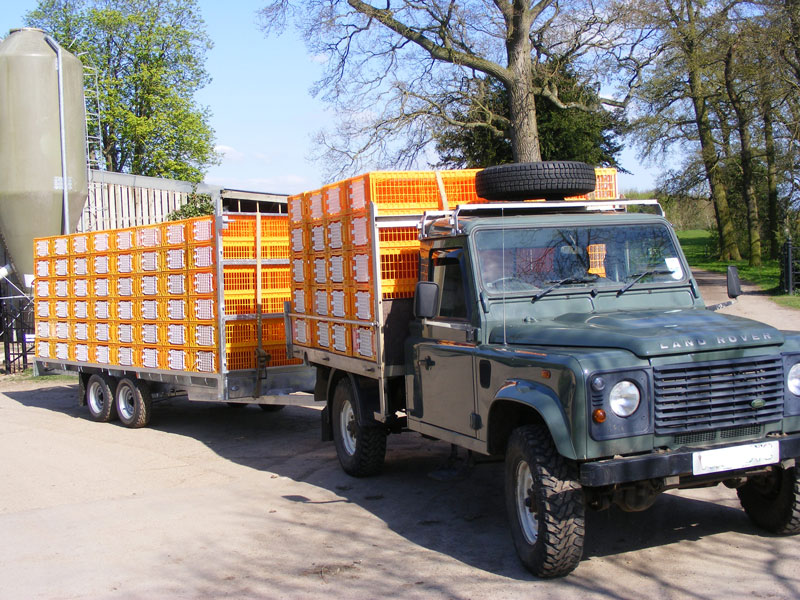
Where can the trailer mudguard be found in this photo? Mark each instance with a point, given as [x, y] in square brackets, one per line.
[365, 401]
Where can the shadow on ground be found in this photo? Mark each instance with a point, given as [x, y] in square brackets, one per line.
[461, 518]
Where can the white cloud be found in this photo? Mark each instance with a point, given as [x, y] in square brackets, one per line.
[229, 152]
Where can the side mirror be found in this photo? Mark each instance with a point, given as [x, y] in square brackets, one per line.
[734, 285]
[426, 300]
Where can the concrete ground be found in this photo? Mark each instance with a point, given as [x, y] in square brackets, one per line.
[211, 501]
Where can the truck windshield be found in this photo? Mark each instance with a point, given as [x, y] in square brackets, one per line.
[609, 256]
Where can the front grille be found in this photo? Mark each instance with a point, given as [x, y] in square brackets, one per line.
[697, 397]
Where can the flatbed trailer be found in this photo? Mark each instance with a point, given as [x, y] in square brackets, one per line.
[189, 307]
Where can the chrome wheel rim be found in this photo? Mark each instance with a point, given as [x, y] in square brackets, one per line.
[126, 402]
[347, 427]
[525, 505]
[96, 398]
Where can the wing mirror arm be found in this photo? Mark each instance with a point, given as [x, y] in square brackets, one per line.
[734, 289]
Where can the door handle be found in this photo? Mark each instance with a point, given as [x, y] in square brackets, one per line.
[427, 362]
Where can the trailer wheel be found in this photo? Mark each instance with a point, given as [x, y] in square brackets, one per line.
[772, 501]
[545, 504]
[100, 398]
[551, 180]
[134, 404]
[361, 449]
[271, 407]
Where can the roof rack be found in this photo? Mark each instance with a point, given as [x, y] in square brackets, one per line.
[518, 208]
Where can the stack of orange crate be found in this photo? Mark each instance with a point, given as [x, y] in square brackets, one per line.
[239, 254]
[333, 287]
[141, 297]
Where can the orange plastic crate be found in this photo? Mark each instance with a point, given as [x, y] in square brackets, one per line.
[399, 271]
[243, 278]
[244, 303]
[245, 358]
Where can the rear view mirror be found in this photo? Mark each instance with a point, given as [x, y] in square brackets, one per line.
[426, 300]
[734, 285]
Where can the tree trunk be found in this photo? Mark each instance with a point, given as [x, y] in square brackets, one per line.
[524, 129]
[773, 217]
[746, 153]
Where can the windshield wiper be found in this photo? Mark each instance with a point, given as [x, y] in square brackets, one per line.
[588, 278]
[639, 276]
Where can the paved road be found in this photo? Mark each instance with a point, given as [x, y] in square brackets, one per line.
[213, 502]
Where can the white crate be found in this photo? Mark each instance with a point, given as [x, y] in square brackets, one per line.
[124, 263]
[176, 334]
[125, 239]
[333, 201]
[176, 310]
[81, 243]
[204, 308]
[336, 235]
[101, 355]
[100, 264]
[81, 331]
[150, 309]
[42, 248]
[150, 358]
[298, 270]
[148, 237]
[339, 303]
[42, 268]
[125, 286]
[101, 242]
[62, 267]
[102, 332]
[62, 351]
[81, 287]
[358, 199]
[364, 340]
[149, 285]
[43, 309]
[62, 288]
[204, 362]
[203, 231]
[149, 333]
[316, 209]
[204, 335]
[176, 258]
[318, 238]
[323, 334]
[42, 329]
[300, 331]
[43, 288]
[321, 302]
[62, 330]
[101, 309]
[61, 246]
[361, 270]
[150, 261]
[300, 301]
[363, 305]
[203, 283]
[81, 308]
[337, 269]
[176, 284]
[203, 257]
[176, 359]
[101, 287]
[125, 333]
[175, 233]
[298, 244]
[43, 349]
[320, 270]
[125, 310]
[125, 356]
[62, 309]
[339, 337]
[359, 231]
[82, 352]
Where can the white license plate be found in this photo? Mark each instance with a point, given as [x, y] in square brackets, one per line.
[738, 457]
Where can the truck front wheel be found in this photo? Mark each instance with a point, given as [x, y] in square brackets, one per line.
[134, 404]
[545, 503]
[361, 449]
[772, 501]
[100, 398]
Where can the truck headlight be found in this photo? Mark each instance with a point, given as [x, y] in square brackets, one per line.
[624, 397]
[793, 379]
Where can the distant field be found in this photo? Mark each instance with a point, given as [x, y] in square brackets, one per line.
[696, 245]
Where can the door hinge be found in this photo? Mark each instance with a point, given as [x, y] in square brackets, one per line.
[475, 421]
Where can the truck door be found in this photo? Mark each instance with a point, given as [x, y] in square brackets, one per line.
[444, 360]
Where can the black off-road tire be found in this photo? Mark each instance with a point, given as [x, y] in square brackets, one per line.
[271, 407]
[773, 501]
[100, 396]
[361, 449]
[550, 180]
[134, 403]
[545, 503]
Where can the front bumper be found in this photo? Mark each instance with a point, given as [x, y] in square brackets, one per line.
[666, 464]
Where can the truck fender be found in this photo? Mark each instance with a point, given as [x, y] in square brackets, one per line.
[544, 402]
[361, 399]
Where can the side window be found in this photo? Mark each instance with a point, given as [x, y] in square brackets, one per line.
[448, 273]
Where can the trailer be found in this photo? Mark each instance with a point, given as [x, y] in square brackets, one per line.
[189, 307]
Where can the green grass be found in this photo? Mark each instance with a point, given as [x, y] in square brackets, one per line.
[27, 375]
[698, 247]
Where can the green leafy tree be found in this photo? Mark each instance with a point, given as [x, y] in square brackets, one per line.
[150, 59]
[565, 134]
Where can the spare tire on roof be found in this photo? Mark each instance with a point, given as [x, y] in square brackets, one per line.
[551, 180]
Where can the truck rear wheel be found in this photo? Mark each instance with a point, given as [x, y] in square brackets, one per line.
[772, 501]
[361, 449]
[100, 398]
[545, 504]
[134, 404]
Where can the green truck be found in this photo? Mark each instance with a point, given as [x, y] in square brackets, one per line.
[570, 337]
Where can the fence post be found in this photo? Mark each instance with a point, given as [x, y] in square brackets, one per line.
[789, 267]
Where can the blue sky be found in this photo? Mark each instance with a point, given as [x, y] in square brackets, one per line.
[263, 114]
